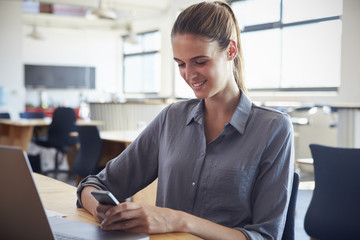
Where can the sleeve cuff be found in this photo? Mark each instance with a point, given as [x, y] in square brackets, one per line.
[88, 181]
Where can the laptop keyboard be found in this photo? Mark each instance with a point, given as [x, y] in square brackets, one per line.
[62, 236]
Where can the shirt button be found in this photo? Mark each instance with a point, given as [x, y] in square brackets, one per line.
[193, 184]
[202, 154]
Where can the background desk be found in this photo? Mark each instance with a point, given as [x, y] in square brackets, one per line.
[126, 137]
[61, 197]
[20, 132]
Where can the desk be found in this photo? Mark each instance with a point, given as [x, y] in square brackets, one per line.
[61, 197]
[114, 142]
[19, 132]
[125, 137]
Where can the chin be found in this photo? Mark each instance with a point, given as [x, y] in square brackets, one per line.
[200, 95]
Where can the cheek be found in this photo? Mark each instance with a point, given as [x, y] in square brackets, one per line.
[182, 73]
[219, 71]
[213, 72]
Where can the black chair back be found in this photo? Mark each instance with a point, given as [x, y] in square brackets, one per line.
[89, 153]
[32, 115]
[289, 231]
[334, 209]
[62, 124]
[4, 115]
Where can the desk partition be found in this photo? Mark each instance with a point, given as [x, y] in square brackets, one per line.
[125, 116]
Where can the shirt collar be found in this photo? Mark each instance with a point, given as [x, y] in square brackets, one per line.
[238, 120]
[242, 113]
[197, 113]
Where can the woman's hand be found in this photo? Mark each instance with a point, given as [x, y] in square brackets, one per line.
[100, 211]
[137, 217]
[141, 218]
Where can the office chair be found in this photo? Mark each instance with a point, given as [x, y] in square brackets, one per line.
[289, 230]
[334, 210]
[89, 154]
[32, 115]
[59, 136]
[4, 115]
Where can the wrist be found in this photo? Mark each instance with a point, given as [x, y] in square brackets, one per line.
[182, 222]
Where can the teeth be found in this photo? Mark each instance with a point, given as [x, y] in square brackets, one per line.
[199, 84]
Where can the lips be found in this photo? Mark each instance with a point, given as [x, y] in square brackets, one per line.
[198, 84]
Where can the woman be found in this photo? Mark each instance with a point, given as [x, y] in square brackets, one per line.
[224, 165]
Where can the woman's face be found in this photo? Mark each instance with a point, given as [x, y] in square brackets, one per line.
[203, 65]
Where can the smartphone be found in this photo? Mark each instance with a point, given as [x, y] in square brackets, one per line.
[105, 197]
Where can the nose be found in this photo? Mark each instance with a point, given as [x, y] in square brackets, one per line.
[189, 73]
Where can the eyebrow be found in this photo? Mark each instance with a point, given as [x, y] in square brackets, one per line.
[194, 58]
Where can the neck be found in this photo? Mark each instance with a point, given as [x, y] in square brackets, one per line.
[221, 106]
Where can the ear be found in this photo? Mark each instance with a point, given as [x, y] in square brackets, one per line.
[232, 50]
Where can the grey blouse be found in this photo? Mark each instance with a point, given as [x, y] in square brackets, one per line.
[242, 179]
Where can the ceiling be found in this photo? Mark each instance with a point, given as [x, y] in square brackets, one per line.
[126, 10]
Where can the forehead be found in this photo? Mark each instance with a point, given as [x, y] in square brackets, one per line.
[190, 45]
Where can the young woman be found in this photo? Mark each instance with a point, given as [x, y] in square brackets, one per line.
[224, 165]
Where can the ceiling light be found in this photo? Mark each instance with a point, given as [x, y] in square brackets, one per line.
[35, 34]
[131, 38]
[103, 12]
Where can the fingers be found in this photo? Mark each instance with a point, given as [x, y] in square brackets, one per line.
[136, 217]
[131, 225]
[121, 213]
[100, 211]
[126, 206]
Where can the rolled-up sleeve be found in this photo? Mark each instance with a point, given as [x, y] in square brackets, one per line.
[272, 189]
[133, 169]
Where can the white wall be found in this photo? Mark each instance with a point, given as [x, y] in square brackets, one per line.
[11, 69]
[99, 48]
[76, 47]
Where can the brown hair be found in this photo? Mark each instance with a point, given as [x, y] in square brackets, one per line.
[217, 22]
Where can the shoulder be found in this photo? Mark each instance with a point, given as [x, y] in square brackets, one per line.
[184, 107]
[271, 116]
[185, 104]
[179, 111]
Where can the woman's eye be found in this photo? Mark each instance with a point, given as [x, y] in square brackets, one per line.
[201, 63]
[181, 64]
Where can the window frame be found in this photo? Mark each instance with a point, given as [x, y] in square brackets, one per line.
[280, 25]
[140, 53]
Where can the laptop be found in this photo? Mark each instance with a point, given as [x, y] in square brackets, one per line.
[22, 215]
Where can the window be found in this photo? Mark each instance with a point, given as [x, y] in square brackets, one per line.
[290, 44]
[142, 66]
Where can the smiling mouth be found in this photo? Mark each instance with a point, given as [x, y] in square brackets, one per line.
[198, 84]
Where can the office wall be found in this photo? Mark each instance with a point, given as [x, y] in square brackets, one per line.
[11, 70]
[99, 48]
[75, 47]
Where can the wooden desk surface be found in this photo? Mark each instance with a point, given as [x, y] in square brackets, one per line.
[43, 122]
[61, 197]
[19, 132]
[125, 136]
[27, 122]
